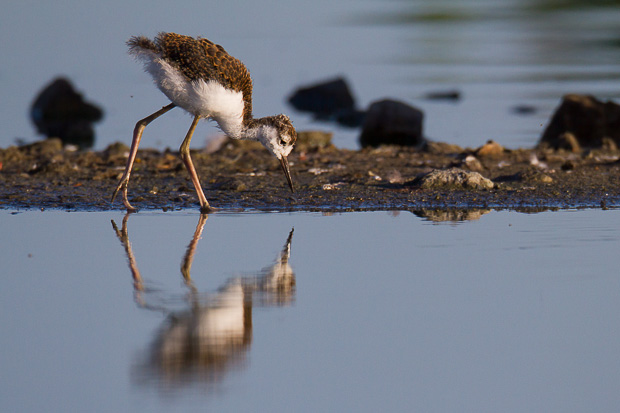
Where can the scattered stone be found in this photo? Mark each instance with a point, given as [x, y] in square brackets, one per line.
[608, 145]
[116, 150]
[374, 176]
[331, 187]
[441, 148]
[329, 169]
[588, 119]
[45, 148]
[533, 176]
[312, 140]
[569, 165]
[241, 145]
[169, 162]
[569, 142]
[395, 177]
[546, 179]
[535, 162]
[384, 150]
[61, 112]
[317, 171]
[453, 178]
[472, 163]
[392, 122]
[490, 149]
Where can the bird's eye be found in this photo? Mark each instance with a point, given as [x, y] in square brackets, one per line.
[284, 141]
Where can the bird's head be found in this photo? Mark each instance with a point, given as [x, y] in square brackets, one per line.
[278, 135]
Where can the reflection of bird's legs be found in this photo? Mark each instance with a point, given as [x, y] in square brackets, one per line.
[137, 135]
[123, 236]
[186, 265]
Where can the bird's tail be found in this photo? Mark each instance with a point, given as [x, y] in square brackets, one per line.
[139, 44]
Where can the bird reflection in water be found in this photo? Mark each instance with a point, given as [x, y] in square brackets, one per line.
[212, 335]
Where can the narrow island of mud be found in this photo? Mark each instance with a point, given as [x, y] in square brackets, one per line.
[244, 176]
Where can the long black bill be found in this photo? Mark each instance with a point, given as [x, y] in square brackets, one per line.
[287, 172]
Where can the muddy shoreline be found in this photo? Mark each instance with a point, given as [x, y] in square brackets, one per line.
[242, 176]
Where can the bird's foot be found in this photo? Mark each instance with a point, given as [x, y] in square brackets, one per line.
[122, 186]
[130, 208]
[207, 209]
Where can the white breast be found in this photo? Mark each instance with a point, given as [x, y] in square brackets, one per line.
[207, 99]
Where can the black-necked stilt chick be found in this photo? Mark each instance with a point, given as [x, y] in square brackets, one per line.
[200, 77]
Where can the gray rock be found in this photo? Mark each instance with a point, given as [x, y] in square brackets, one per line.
[313, 139]
[453, 178]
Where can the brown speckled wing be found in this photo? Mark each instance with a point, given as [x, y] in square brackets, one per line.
[203, 59]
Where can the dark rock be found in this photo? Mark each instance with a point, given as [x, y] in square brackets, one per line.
[59, 111]
[323, 99]
[351, 118]
[453, 95]
[524, 110]
[393, 123]
[329, 101]
[585, 117]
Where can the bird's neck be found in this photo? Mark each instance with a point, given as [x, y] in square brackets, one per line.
[235, 127]
[245, 128]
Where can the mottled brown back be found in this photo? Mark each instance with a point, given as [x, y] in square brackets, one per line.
[201, 59]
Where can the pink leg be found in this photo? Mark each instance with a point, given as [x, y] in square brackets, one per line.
[137, 135]
[186, 266]
[205, 208]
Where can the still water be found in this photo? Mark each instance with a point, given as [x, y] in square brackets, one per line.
[377, 311]
[504, 311]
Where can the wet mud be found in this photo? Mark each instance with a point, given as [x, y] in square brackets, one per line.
[243, 176]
